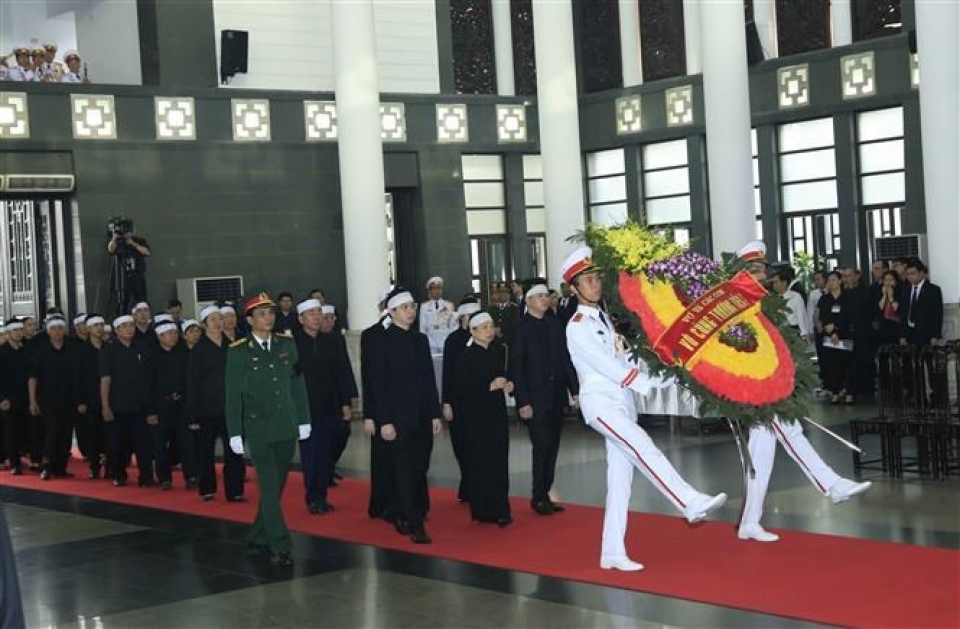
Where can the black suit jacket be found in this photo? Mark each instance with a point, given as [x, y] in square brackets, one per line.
[404, 384]
[926, 313]
[369, 350]
[542, 373]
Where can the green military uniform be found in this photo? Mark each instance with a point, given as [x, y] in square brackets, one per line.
[266, 400]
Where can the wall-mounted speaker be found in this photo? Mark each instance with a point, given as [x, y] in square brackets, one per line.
[754, 49]
[233, 54]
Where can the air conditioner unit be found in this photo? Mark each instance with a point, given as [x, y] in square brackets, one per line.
[196, 293]
[904, 246]
[39, 183]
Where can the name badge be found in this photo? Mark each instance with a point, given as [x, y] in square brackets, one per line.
[835, 309]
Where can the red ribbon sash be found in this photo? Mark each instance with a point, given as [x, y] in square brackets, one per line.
[706, 317]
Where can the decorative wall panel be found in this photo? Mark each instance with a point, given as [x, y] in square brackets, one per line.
[474, 61]
[661, 39]
[802, 25]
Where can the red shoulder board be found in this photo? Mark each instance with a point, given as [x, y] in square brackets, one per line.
[577, 317]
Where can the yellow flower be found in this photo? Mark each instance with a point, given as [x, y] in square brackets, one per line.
[637, 246]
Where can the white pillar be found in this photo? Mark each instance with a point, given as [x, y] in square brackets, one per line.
[938, 31]
[841, 22]
[559, 128]
[692, 35]
[503, 47]
[765, 17]
[361, 158]
[630, 43]
[726, 96]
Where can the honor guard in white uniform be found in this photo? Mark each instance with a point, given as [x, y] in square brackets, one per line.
[23, 70]
[72, 72]
[608, 381]
[438, 317]
[763, 447]
[50, 70]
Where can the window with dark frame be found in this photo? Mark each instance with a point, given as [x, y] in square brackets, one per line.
[524, 53]
[598, 44]
[876, 18]
[802, 26]
[662, 41]
[474, 60]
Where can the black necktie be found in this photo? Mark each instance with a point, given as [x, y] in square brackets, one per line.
[265, 345]
[603, 319]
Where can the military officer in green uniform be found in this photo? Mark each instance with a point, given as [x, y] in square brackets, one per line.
[266, 404]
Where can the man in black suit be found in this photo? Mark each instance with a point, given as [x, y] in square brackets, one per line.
[542, 374]
[407, 411]
[922, 321]
[382, 499]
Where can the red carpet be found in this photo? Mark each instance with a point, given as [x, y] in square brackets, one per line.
[820, 578]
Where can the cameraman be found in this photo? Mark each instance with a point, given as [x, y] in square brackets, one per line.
[132, 252]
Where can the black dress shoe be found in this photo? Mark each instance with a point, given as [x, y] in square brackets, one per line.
[402, 527]
[191, 483]
[120, 482]
[504, 522]
[281, 559]
[63, 474]
[94, 472]
[236, 499]
[46, 475]
[337, 476]
[420, 537]
[333, 483]
[542, 507]
[557, 508]
[17, 471]
[207, 497]
[166, 485]
[319, 508]
[149, 482]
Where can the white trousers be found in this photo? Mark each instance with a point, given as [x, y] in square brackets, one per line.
[763, 451]
[629, 447]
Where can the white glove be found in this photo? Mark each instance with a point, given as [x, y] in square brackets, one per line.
[304, 431]
[236, 444]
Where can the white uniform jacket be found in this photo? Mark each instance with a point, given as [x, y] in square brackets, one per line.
[601, 358]
[437, 320]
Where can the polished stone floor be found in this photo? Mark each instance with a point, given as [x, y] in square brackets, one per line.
[85, 563]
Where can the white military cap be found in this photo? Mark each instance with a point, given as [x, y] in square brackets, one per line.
[580, 261]
[70, 53]
[754, 250]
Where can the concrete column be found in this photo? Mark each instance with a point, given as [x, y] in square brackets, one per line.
[727, 105]
[765, 17]
[503, 46]
[938, 33]
[692, 34]
[361, 158]
[841, 22]
[559, 128]
[630, 50]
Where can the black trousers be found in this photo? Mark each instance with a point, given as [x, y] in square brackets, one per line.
[129, 433]
[90, 435]
[341, 435]
[835, 370]
[410, 456]
[382, 492]
[181, 442]
[316, 458]
[211, 429]
[545, 432]
[36, 438]
[58, 435]
[15, 428]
